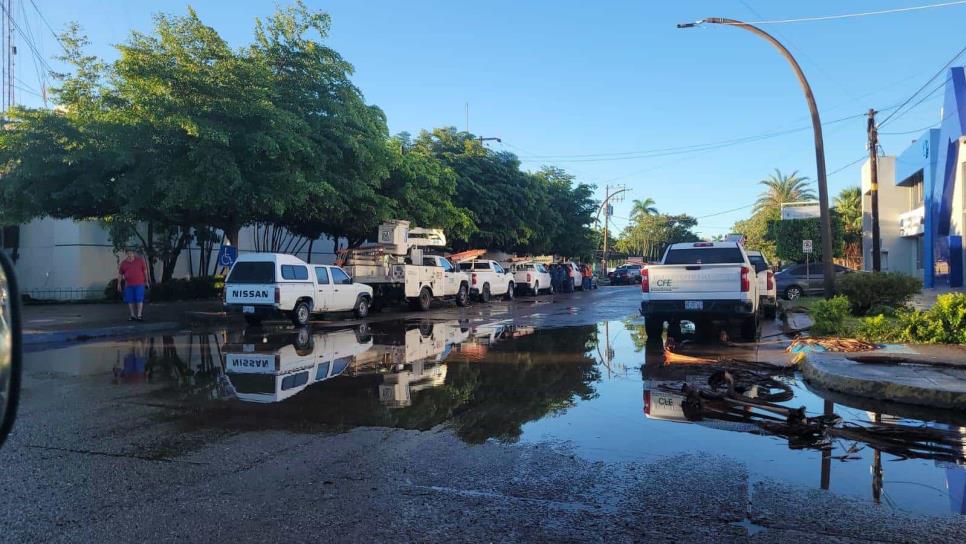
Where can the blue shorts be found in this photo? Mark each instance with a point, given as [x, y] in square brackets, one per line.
[134, 294]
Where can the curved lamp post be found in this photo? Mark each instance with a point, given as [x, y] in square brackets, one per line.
[826, 224]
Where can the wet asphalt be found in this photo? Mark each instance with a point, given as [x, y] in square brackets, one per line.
[511, 422]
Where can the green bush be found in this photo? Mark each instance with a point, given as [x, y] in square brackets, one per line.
[176, 289]
[944, 323]
[867, 290]
[882, 309]
[878, 329]
[829, 316]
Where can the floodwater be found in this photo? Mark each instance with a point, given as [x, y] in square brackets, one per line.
[595, 390]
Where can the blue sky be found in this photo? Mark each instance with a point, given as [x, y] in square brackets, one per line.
[561, 80]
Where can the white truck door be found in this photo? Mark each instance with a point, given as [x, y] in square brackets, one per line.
[323, 289]
[343, 294]
[452, 280]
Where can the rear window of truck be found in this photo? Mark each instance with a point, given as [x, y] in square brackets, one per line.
[252, 272]
[707, 255]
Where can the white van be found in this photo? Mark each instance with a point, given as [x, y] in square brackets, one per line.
[266, 285]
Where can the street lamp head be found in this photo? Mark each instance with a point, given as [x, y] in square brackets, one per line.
[690, 25]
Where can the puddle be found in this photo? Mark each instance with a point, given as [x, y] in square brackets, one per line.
[595, 390]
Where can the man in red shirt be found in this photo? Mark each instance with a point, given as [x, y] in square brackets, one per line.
[132, 276]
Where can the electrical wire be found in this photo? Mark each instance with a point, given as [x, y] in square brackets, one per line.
[27, 40]
[923, 86]
[49, 27]
[853, 15]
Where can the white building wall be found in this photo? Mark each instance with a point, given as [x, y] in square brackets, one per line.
[64, 259]
[898, 253]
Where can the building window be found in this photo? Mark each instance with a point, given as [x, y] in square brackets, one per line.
[920, 249]
[916, 193]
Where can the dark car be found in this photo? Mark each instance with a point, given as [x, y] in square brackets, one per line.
[627, 274]
[799, 279]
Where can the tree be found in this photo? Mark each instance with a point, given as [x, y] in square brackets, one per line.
[781, 189]
[649, 235]
[755, 231]
[642, 208]
[848, 204]
[788, 235]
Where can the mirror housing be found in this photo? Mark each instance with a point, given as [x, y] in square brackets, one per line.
[11, 354]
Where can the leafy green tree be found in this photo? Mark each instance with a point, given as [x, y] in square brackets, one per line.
[848, 204]
[788, 235]
[755, 231]
[781, 189]
[649, 235]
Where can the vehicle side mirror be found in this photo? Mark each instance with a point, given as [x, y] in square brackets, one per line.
[10, 346]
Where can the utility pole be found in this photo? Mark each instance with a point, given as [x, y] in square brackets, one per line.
[824, 219]
[874, 191]
[603, 261]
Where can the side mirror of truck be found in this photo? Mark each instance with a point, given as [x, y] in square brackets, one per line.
[10, 346]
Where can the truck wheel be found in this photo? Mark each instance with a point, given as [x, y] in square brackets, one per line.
[551, 290]
[771, 312]
[362, 308]
[425, 299]
[253, 320]
[749, 329]
[509, 292]
[536, 288]
[654, 328]
[674, 330]
[463, 296]
[301, 314]
[485, 293]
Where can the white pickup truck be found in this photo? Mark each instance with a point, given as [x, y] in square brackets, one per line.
[701, 282]
[533, 277]
[266, 285]
[418, 280]
[767, 289]
[488, 278]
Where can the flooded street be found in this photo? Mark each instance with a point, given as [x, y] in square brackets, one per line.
[584, 424]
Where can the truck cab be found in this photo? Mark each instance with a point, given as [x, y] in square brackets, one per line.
[767, 289]
[267, 285]
[531, 276]
[488, 278]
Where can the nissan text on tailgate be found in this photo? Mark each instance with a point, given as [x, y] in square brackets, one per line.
[701, 282]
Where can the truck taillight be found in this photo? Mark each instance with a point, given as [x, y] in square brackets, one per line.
[278, 295]
[474, 278]
[645, 281]
[745, 284]
[529, 278]
[771, 280]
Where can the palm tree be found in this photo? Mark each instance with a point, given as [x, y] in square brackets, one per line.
[782, 189]
[643, 208]
[849, 205]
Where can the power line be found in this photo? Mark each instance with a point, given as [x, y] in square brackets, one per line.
[49, 27]
[856, 161]
[853, 15]
[923, 86]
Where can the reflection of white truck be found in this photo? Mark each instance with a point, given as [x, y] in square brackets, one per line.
[274, 367]
[265, 285]
[488, 278]
[399, 269]
[533, 277]
[700, 282]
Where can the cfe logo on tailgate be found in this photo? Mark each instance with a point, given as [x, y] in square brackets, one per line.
[663, 285]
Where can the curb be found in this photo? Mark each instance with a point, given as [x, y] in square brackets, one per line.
[891, 382]
[59, 337]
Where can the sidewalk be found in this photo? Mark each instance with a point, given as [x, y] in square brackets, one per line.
[54, 323]
[923, 375]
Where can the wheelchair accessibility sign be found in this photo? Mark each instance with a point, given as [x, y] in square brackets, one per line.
[227, 256]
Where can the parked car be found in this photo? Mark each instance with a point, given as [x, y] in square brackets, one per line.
[701, 282]
[574, 276]
[533, 277]
[488, 278]
[799, 279]
[767, 291]
[267, 285]
[628, 274]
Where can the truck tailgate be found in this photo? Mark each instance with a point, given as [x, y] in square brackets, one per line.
[249, 293]
[694, 278]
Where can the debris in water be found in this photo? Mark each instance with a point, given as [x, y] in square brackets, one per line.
[802, 344]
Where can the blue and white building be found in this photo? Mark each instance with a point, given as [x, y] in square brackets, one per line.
[922, 201]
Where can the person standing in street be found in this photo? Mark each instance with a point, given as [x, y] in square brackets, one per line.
[587, 282]
[132, 277]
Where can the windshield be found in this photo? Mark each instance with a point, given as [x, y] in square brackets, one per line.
[252, 272]
[710, 255]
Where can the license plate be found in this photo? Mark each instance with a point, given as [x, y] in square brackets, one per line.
[248, 309]
[248, 348]
[693, 304]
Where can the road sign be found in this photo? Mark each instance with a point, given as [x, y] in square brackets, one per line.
[227, 256]
[806, 246]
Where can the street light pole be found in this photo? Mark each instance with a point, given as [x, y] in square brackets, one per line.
[825, 220]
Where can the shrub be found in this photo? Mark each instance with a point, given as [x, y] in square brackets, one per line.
[882, 309]
[176, 289]
[829, 316]
[944, 323]
[878, 329]
[866, 290]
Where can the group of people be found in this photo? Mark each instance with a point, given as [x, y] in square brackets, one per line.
[560, 277]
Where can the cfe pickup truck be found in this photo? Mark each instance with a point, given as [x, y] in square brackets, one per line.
[700, 282]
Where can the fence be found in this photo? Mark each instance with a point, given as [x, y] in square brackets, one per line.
[63, 294]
